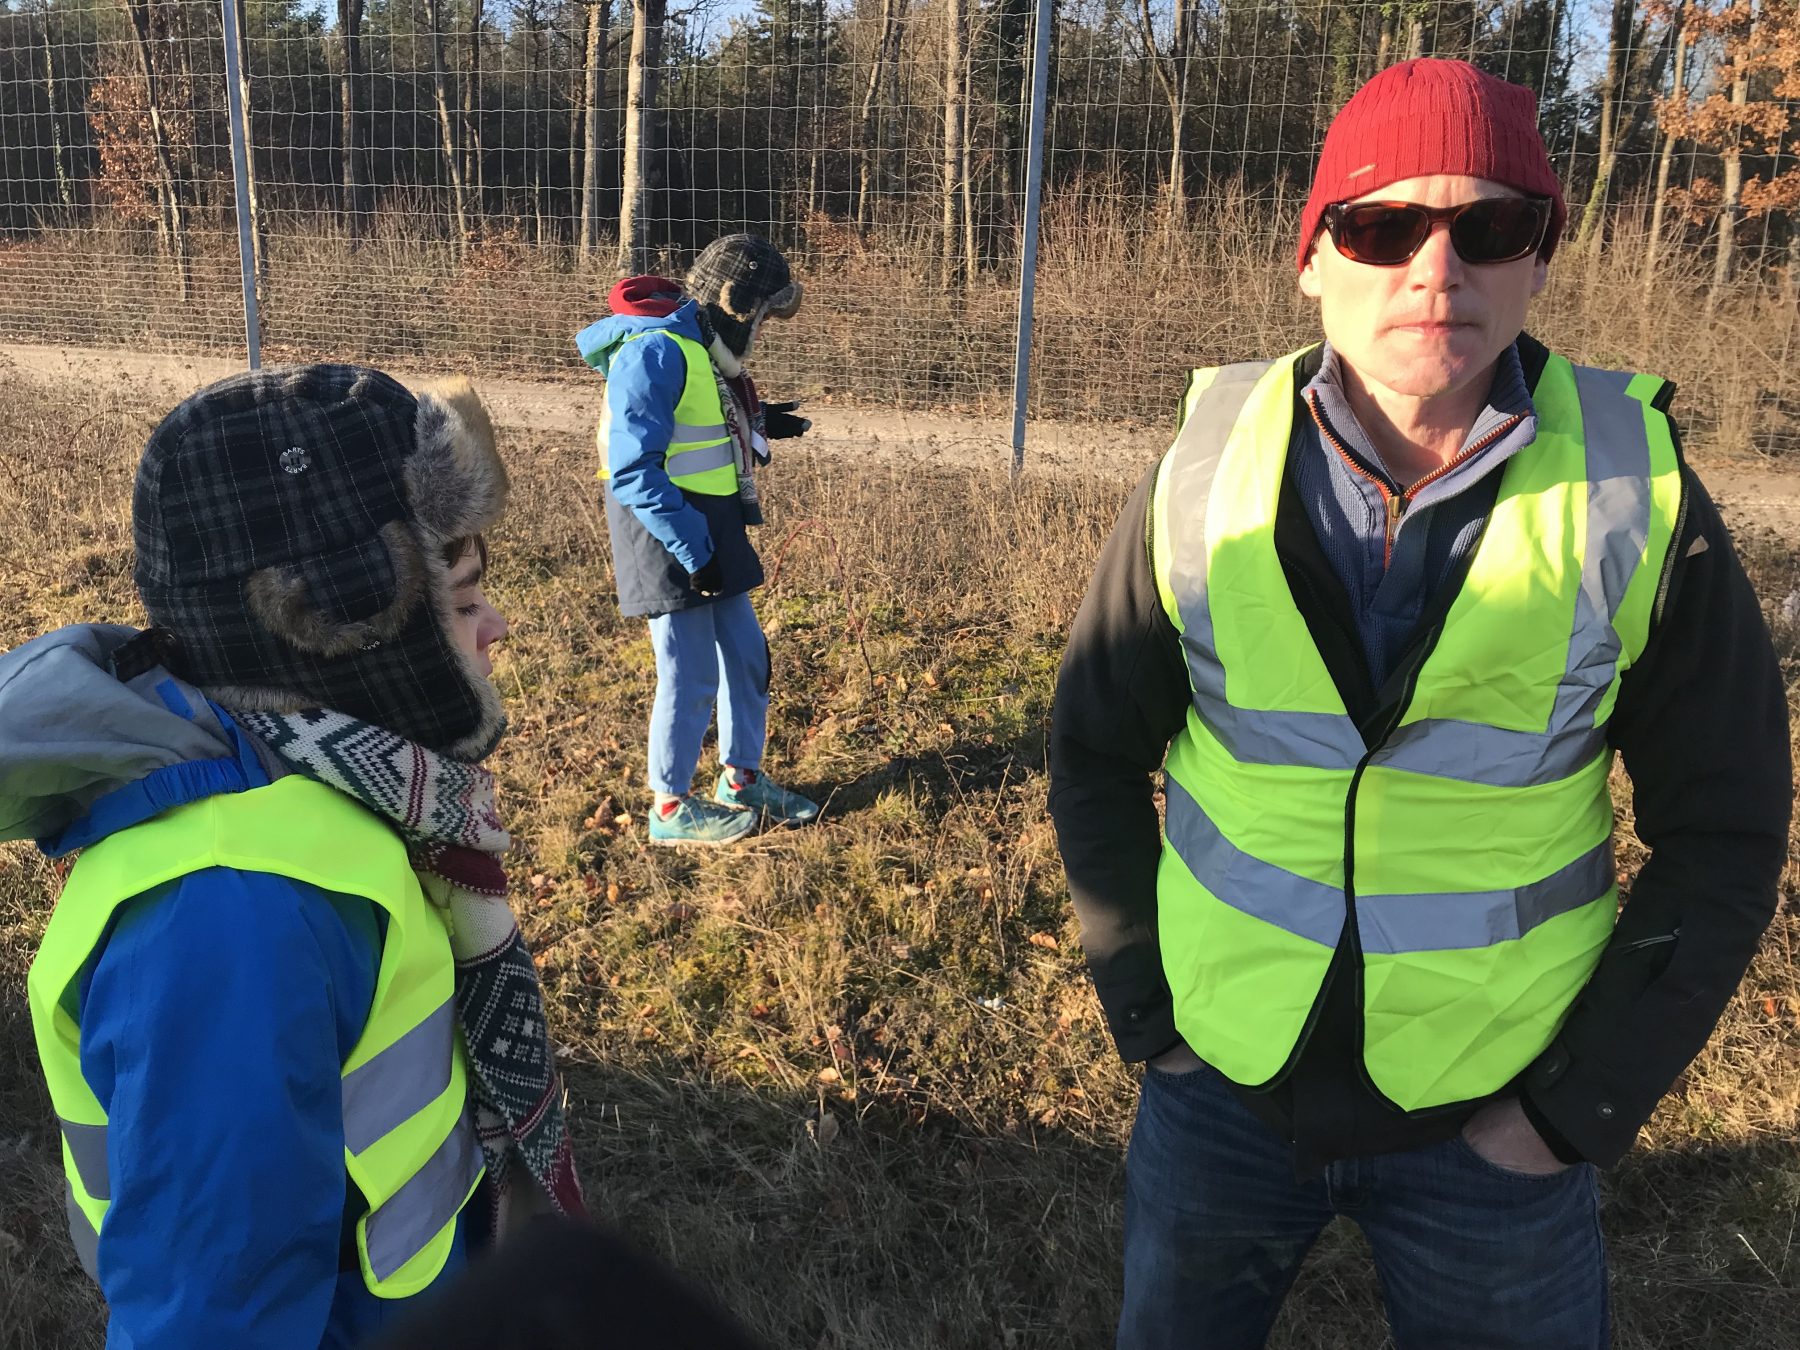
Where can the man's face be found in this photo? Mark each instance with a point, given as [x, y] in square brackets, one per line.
[1434, 323]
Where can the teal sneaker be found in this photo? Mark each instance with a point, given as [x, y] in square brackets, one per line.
[698, 821]
[761, 797]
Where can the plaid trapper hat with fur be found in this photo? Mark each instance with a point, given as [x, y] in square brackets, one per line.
[290, 528]
[739, 279]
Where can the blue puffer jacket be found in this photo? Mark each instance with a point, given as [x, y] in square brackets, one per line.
[215, 1020]
[660, 533]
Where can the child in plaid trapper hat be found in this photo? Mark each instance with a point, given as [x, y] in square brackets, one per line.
[288, 1023]
[681, 435]
[739, 280]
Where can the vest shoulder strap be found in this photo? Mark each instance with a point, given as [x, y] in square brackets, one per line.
[1209, 411]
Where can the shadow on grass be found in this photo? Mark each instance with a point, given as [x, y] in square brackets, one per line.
[876, 1231]
[46, 1302]
[941, 778]
[880, 1230]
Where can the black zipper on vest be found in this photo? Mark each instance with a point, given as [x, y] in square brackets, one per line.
[1351, 934]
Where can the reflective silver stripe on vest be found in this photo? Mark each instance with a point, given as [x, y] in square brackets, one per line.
[1618, 529]
[87, 1146]
[1305, 908]
[401, 1081]
[682, 462]
[418, 1211]
[1618, 526]
[82, 1234]
[690, 433]
[1390, 924]
[1386, 924]
[1252, 736]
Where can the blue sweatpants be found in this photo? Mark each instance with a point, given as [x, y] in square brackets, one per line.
[701, 653]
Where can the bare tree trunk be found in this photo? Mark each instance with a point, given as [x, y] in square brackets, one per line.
[446, 126]
[1730, 193]
[640, 102]
[815, 174]
[1415, 38]
[1384, 44]
[576, 93]
[955, 24]
[549, 231]
[599, 20]
[786, 194]
[1665, 161]
[970, 223]
[1612, 89]
[534, 180]
[1187, 18]
[471, 104]
[1728, 209]
[1172, 73]
[65, 190]
[350, 16]
[1013, 26]
[871, 166]
[173, 223]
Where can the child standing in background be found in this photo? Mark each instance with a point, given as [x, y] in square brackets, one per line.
[681, 433]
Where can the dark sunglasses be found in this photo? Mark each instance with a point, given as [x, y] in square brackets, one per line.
[1387, 234]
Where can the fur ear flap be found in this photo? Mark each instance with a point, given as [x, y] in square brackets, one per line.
[455, 480]
[785, 303]
[732, 305]
[282, 601]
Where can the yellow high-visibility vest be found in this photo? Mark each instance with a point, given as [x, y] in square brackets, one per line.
[1467, 850]
[701, 456]
[409, 1144]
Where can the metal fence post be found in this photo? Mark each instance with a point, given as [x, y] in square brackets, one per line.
[240, 176]
[1034, 196]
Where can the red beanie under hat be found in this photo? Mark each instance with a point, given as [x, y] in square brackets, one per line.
[1431, 116]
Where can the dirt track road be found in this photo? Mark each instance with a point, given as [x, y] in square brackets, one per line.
[1755, 493]
[568, 407]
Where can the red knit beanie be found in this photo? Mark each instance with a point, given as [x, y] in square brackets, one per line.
[1425, 117]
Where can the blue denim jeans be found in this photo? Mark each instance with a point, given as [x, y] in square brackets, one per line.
[1471, 1256]
[699, 653]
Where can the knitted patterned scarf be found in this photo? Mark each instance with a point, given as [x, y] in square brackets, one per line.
[446, 812]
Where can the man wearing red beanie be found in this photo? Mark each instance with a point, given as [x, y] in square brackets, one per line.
[1384, 615]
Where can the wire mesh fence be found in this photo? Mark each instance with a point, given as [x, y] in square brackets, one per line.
[456, 183]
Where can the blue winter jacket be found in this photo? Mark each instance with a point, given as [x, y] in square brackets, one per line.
[215, 1019]
[660, 533]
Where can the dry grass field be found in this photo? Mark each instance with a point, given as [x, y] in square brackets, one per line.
[1126, 305]
[854, 1077]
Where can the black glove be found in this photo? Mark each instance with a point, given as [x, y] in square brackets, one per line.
[710, 579]
[779, 422]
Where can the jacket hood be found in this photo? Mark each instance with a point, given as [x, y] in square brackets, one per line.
[85, 753]
[646, 294]
[599, 342]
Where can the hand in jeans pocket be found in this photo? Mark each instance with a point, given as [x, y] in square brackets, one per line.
[1501, 1133]
[1177, 1059]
